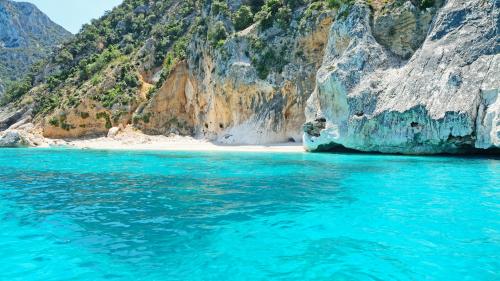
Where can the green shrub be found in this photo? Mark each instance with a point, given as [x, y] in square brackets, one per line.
[136, 119]
[73, 101]
[84, 115]
[66, 126]
[284, 16]
[47, 103]
[166, 35]
[114, 96]
[257, 44]
[168, 65]
[217, 33]
[243, 18]
[275, 10]
[96, 80]
[180, 48]
[294, 3]
[64, 56]
[151, 92]
[424, 4]
[15, 91]
[146, 117]
[97, 63]
[220, 7]
[267, 59]
[105, 116]
[141, 117]
[336, 4]
[129, 48]
[130, 78]
[255, 5]
[267, 12]
[54, 121]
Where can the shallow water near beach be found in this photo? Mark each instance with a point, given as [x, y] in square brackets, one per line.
[101, 215]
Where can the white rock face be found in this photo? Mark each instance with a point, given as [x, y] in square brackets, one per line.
[444, 99]
[113, 132]
[13, 139]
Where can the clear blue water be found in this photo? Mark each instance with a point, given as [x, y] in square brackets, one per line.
[97, 215]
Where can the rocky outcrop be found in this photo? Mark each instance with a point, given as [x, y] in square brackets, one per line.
[220, 94]
[13, 139]
[250, 87]
[443, 99]
[401, 26]
[89, 119]
[26, 35]
[11, 118]
[397, 76]
[113, 132]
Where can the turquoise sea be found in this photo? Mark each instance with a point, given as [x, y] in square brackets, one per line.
[101, 215]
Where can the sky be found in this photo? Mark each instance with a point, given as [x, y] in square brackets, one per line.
[72, 14]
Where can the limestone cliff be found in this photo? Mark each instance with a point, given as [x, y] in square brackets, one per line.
[397, 76]
[218, 94]
[236, 72]
[398, 92]
[26, 36]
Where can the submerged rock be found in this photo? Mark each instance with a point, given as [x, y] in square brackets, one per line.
[443, 99]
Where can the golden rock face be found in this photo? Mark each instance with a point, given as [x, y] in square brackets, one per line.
[221, 94]
[180, 107]
[89, 119]
[232, 106]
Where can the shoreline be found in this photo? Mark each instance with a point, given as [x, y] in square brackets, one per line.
[139, 141]
[180, 146]
[129, 138]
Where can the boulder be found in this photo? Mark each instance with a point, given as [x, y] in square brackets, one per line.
[13, 139]
[113, 132]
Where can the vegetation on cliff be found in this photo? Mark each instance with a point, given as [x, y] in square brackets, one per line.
[26, 36]
[122, 58]
[117, 64]
[118, 38]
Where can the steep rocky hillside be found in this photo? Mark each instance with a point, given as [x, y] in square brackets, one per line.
[234, 71]
[410, 81]
[410, 76]
[26, 36]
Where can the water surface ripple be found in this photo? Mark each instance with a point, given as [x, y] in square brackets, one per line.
[100, 215]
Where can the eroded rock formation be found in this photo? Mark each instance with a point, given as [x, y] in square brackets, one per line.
[13, 139]
[221, 96]
[416, 77]
[443, 99]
